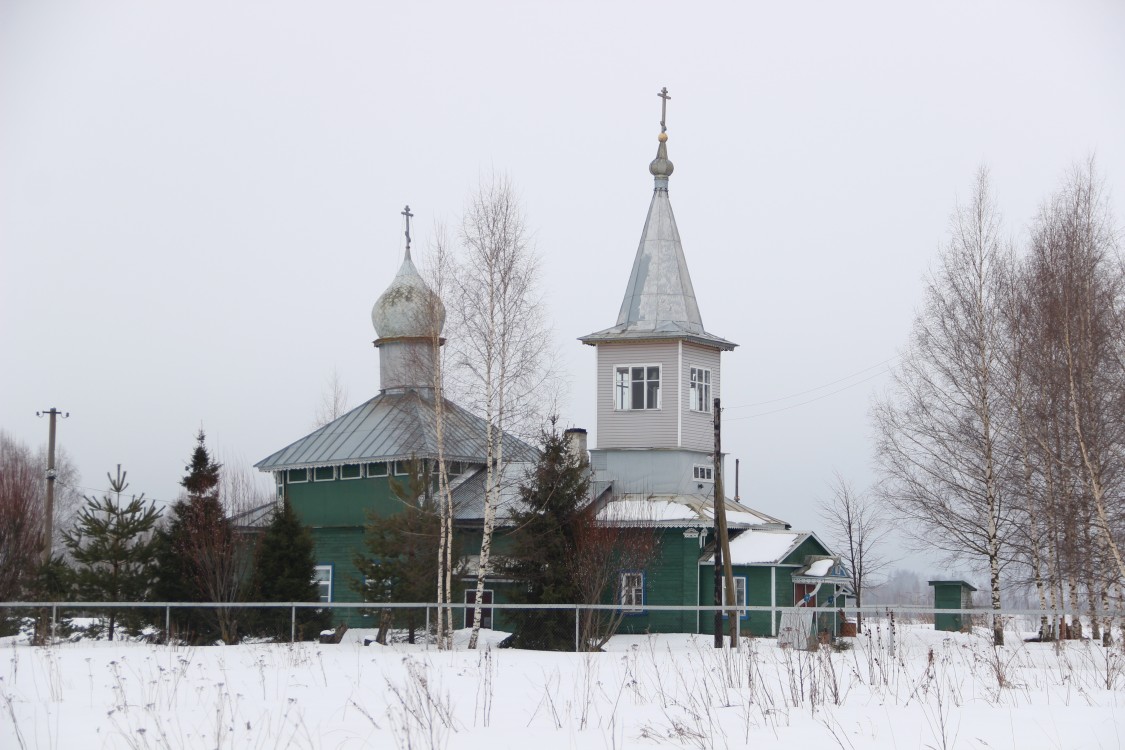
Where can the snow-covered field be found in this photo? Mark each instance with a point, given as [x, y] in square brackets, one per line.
[919, 689]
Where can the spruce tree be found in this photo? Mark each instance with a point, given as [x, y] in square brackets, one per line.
[543, 542]
[114, 548]
[283, 572]
[196, 553]
[399, 564]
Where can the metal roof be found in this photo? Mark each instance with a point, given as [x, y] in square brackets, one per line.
[659, 300]
[396, 424]
[694, 510]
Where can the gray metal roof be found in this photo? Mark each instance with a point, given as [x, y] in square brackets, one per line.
[659, 300]
[468, 497]
[393, 425]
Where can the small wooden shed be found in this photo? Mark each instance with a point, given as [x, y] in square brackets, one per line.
[953, 595]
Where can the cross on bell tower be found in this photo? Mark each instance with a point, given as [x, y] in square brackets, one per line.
[663, 108]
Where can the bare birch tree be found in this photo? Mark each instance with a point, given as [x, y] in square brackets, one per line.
[333, 401]
[937, 441]
[1079, 290]
[857, 529]
[439, 272]
[501, 338]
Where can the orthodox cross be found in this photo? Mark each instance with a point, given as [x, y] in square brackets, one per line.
[409, 216]
[663, 108]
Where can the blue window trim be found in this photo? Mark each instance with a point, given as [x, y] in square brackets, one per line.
[644, 592]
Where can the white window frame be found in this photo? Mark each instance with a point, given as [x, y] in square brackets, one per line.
[739, 597]
[405, 470]
[321, 581]
[699, 397]
[357, 476]
[703, 473]
[318, 468]
[370, 474]
[289, 476]
[628, 591]
[623, 388]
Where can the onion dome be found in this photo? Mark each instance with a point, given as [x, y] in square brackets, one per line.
[409, 308]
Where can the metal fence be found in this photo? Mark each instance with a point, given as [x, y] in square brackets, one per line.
[555, 624]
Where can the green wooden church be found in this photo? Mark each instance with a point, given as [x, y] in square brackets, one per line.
[658, 370]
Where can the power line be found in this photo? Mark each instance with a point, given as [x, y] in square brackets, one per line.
[818, 398]
[819, 387]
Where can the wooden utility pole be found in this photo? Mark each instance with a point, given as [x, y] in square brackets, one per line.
[49, 511]
[722, 547]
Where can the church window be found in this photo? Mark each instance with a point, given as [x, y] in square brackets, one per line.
[351, 471]
[377, 469]
[700, 389]
[324, 473]
[632, 590]
[322, 577]
[296, 476]
[703, 472]
[637, 387]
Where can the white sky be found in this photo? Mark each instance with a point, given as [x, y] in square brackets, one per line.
[199, 202]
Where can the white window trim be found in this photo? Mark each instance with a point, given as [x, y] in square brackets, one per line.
[319, 582]
[743, 613]
[693, 390]
[629, 386]
[367, 469]
[343, 478]
[289, 476]
[634, 608]
[330, 479]
[396, 472]
[698, 469]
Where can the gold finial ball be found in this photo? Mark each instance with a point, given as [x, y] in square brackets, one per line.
[662, 137]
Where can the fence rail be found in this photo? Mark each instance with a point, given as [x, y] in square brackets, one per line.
[865, 611]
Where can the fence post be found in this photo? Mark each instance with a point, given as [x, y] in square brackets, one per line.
[54, 619]
[576, 636]
[167, 623]
[292, 623]
[427, 628]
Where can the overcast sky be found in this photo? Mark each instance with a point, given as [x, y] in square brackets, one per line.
[199, 202]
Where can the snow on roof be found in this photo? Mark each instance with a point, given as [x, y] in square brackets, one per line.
[647, 511]
[819, 568]
[757, 546]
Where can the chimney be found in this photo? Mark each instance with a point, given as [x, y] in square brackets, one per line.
[576, 443]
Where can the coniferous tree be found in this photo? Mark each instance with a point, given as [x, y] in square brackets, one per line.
[198, 559]
[545, 541]
[114, 548]
[399, 564]
[283, 572]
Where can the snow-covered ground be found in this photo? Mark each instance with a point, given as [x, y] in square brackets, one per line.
[919, 689]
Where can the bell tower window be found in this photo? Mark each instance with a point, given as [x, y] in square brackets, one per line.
[637, 387]
[700, 389]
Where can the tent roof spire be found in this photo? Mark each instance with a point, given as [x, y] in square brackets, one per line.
[659, 299]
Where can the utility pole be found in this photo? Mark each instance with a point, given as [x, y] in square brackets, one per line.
[49, 511]
[722, 547]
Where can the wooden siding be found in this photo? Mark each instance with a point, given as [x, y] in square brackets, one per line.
[342, 502]
[654, 428]
[698, 427]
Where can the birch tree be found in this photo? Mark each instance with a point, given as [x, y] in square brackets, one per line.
[1077, 285]
[936, 430]
[857, 529]
[501, 339]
